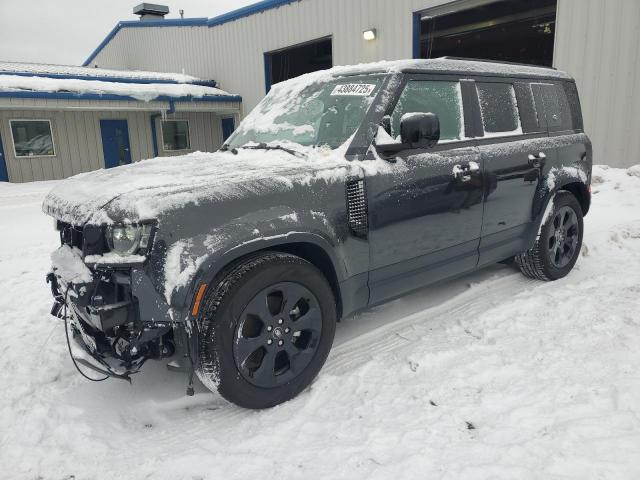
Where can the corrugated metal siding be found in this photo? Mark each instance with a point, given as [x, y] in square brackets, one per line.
[233, 53]
[78, 142]
[597, 42]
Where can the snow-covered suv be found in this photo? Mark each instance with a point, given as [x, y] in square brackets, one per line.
[341, 190]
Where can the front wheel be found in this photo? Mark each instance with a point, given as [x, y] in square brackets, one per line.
[266, 330]
[559, 242]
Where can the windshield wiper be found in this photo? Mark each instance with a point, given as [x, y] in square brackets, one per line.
[264, 146]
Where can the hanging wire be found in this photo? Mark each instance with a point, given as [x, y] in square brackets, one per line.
[66, 331]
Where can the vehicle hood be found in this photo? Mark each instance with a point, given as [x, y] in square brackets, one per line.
[147, 189]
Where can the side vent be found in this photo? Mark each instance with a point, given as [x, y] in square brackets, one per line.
[357, 208]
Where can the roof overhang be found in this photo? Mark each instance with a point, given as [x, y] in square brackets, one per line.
[106, 78]
[87, 101]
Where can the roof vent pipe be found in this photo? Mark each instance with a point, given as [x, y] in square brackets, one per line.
[150, 11]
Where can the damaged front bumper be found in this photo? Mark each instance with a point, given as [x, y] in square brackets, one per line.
[116, 316]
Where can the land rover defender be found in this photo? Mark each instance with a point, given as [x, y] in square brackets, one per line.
[341, 190]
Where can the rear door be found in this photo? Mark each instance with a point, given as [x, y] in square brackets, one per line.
[115, 142]
[424, 223]
[514, 148]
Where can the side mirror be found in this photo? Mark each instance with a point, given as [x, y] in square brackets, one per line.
[420, 130]
[417, 130]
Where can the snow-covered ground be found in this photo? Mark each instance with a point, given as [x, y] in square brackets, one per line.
[489, 376]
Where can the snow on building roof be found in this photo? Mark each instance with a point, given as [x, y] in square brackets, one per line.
[34, 80]
[71, 71]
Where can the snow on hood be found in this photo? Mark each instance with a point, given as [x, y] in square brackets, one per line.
[144, 190]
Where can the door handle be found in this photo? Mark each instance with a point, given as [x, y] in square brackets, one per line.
[538, 160]
[464, 173]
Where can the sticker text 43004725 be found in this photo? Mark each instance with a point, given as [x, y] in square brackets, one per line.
[354, 89]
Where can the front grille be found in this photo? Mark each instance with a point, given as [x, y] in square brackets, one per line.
[357, 208]
[71, 235]
[90, 239]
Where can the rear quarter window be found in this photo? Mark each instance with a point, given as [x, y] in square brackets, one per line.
[552, 106]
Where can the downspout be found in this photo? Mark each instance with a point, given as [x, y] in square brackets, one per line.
[154, 134]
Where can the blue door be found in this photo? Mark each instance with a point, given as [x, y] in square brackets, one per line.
[115, 143]
[4, 176]
[227, 128]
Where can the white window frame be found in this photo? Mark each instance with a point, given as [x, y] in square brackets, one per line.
[13, 140]
[188, 132]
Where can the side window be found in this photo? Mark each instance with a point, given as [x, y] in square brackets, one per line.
[499, 108]
[426, 96]
[555, 105]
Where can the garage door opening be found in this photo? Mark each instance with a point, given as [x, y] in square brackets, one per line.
[521, 31]
[294, 61]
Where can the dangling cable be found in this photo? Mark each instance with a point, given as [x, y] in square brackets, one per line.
[66, 331]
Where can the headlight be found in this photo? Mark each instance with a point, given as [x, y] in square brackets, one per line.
[128, 239]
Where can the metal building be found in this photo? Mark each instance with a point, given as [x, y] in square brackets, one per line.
[596, 41]
[57, 121]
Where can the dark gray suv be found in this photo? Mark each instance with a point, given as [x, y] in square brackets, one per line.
[341, 190]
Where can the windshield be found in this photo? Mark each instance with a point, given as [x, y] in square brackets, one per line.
[310, 114]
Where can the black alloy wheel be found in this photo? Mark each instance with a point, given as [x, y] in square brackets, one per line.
[557, 246]
[265, 329]
[562, 236]
[277, 334]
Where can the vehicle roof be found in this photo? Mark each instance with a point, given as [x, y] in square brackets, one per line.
[454, 66]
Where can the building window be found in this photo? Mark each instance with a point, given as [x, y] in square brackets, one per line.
[499, 109]
[441, 98]
[175, 135]
[32, 138]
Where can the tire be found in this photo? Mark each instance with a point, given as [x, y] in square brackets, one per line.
[265, 330]
[559, 241]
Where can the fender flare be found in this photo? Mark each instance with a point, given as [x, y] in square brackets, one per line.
[214, 263]
[543, 201]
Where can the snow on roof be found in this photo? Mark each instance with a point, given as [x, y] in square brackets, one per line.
[42, 69]
[442, 65]
[145, 91]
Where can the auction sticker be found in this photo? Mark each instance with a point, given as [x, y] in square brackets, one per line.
[354, 89]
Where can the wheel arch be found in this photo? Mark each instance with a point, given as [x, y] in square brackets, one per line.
[574, 185]
[581, 192]
[311, 247]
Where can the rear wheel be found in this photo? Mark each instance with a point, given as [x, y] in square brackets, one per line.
[266, 330]
[558, 245]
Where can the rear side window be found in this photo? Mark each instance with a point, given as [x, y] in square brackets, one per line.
[426, 96]
[499, 108]
[555, 106]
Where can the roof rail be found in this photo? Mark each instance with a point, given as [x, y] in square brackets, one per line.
[486, 60]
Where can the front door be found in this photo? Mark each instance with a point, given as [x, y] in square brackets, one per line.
[425, 213]
[115, 142]
[4, 176]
